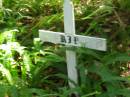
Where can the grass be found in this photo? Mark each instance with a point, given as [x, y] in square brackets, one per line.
[30, 68]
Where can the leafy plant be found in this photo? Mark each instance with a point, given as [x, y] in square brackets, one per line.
[99, 77]
[30, 68]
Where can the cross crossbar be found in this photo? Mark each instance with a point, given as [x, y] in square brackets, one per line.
[73, 40]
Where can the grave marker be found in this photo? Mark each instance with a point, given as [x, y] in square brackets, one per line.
[69, 38]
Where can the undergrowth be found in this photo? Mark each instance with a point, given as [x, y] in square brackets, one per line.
[30, 68]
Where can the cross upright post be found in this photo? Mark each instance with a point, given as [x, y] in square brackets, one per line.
[69, 28]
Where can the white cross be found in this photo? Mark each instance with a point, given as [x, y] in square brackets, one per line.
[69, 38]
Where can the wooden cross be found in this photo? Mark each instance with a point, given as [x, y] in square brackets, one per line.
[69, 38]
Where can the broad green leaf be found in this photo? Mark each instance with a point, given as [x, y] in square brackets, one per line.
[3, 91]
[116, 57]
[6, 73]
[89, 52]
[53, 58]
[13, 91]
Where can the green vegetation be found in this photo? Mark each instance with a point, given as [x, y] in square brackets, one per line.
[30, 68]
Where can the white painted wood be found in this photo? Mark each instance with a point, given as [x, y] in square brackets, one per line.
[69, 27]
[81, 41]
[69, 20]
